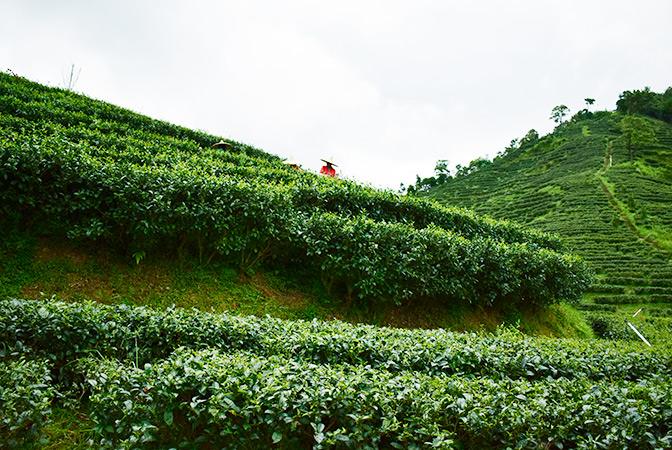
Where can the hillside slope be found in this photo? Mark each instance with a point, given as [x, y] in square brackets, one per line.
[135, 206]
[79, 169]
[581, 182]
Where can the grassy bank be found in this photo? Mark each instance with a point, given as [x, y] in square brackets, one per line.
[38, 267]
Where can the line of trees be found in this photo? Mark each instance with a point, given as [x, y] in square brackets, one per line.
[636, 132]
[443, 174]
[647, 103]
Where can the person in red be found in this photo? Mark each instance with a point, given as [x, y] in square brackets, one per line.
[328, 169]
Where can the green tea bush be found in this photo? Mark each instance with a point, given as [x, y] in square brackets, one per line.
[632, 299]
[26, 394]
[660, 282]
[64, 333]
[240, 400]
[607, 289]
[176, 378]
[243, 401]
[348, 199]
[655, 328]
[652, 290]
[609, 326]
[598, 307]
[391, 261]
[39, 104]
[659, 312]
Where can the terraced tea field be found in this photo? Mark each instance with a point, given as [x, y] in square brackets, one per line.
[555, 186]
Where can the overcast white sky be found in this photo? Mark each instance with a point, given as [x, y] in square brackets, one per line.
[385, 87]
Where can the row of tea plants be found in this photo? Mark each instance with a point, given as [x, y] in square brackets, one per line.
[77, 167]
[187, 379]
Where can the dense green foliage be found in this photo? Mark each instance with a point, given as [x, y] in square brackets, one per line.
[95, 173]
[66, 332]
[176, 377]
[26, 394]
[72, 166]
[645, 102]
[242, 401]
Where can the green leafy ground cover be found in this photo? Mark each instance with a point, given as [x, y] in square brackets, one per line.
[169, 378]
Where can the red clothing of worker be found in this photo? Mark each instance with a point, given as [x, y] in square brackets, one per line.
[328, 170]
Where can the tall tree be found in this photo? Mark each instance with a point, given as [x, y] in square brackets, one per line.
[558, 114]
[637, 132]
[442, 171]
[531, 138]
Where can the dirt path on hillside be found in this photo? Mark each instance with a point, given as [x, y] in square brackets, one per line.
[607, 158]
[614, 203]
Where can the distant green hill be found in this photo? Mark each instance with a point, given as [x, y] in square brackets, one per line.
[612, 205]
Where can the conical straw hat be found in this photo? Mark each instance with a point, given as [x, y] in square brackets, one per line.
[221, 144]
[330, 161]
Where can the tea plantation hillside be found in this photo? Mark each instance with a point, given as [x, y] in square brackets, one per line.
[84, 170]
[81, 177]
[613, 206]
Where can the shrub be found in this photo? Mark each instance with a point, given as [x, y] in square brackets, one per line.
[25, 400]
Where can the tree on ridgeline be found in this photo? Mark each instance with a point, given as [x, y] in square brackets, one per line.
[585, 113]
[637, 102]
[558, 114]
[531, 138]
[442, 171]
[647, 103]
[441, 175]
[475, 165]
